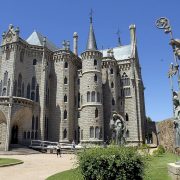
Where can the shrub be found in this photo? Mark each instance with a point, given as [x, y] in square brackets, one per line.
[159, 151]
[118, 163]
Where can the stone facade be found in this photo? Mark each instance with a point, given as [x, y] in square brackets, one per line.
[53, 94]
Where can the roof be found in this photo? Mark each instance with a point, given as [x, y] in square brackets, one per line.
[91, 43]
[120, 53]
[37, 39]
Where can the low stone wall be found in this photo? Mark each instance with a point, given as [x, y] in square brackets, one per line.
[165, 132]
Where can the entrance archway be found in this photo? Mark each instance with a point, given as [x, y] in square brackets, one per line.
[14, 135]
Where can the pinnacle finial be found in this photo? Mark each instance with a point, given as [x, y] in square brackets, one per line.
[119, 38]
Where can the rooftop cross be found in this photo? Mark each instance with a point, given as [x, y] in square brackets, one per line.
[91, 14]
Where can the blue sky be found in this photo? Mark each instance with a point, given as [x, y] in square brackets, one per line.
[58, 19]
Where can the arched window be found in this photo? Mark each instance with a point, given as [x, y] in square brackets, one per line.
[98, 97]
[28, 91]
[33, 123]
[22, 90]
[24, 134]
[65, 114]
[65, 98]
[93, 96]
[88, 96]
[95, 78]
[65, 80]
[5, 78]
[112, 85]
[64, 133]
[8, 87]
[113, 101]
[127, 133]
[34, 61]
[91, 132]
[127, 117]
[37, 122]
[111, 71]
[15, 88]
[4, 92]
[65, 65]
[0, 87]
[96, 112]
[28, 135]
[37, 93]
[33, 83]
[95, 62]
[97, 131]
[32, 96]
[22, 55]
[19, 85]
[127, 92]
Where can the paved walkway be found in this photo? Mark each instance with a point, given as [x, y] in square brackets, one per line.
[36, 166]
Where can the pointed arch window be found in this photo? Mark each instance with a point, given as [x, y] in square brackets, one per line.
[37, 93]
[127, 117]
[95, 62]
[34, 61]
[15, 88]
[37, 122]
[32, 96]
[28, 91]
[65, 134]
[65, 114]
[127, 133]
[95, 78]
[111, 71]
[98, 97]
[65, 80]
[112, 85]
[88, 96]
[4, 92]
[113, 101]
[5, 78]
[33, 83]
[97, 132]
[22, 55]
[8, 87]
[96, 112]
[91, 132]
[65, 98]
[66, 65]
[125, 80]
[19, 85]
[93, 96]
[7, 53]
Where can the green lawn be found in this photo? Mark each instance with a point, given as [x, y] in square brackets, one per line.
[156, 169]
[8, 161]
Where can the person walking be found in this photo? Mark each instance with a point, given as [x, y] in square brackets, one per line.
[58, 150]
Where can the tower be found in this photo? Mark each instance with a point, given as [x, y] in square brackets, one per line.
[91, 121]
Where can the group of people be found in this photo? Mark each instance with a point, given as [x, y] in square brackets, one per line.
[58, 148]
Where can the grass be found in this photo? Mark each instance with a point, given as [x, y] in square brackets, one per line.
[8, 161]
[156, 169]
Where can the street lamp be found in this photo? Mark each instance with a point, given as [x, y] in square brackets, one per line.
[163, 23]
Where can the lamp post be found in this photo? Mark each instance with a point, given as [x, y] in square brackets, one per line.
[163, 23]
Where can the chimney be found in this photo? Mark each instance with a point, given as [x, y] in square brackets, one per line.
[75, 43]
[132, 29]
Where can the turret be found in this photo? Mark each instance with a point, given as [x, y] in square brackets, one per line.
[91, 124]
[75, 43]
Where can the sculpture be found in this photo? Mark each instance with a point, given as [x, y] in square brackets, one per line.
[176, 104]
[117, 125]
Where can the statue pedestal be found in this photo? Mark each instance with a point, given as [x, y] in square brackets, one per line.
[174, 171]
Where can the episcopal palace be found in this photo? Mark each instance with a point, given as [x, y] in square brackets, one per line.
[56, 94]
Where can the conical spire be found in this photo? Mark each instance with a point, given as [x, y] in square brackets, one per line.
[91, 43]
